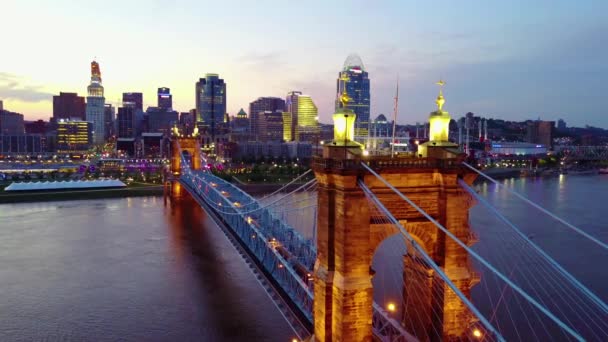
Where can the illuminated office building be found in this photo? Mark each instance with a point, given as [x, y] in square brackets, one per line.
[304, 123]
[73, 136]
[165, 99]
[354, 79]
[95, 109]
[211, 102]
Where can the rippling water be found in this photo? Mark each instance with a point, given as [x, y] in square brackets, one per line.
[126, 270]
[133, 270]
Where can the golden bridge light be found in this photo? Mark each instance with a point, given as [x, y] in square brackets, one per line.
[477, 333]
[391, 307]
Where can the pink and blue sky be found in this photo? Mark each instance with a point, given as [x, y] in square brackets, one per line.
[513, 60]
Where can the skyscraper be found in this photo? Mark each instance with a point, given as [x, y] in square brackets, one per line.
[109, 118]
[95, 112]
[135, 100]
[165, 99]
[68, 105]
[354, 79]
[261, 105]
[304, 119]
[126, 122]
[211, 102]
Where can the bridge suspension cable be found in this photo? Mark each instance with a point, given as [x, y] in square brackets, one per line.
[547, 212]
[304, 187]
[544, 254]
[480, 259]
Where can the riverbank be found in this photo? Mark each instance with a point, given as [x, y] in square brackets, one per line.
[43, 196]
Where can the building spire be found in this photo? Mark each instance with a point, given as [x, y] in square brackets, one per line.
[440, 100]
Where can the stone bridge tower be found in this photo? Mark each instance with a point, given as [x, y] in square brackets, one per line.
[182, 145]
[347, 238]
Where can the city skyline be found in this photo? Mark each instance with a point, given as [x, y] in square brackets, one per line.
[512, 61]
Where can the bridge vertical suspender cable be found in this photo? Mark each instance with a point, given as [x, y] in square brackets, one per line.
[514, 286]
[551, 261]
[430, 261]
[525, 199]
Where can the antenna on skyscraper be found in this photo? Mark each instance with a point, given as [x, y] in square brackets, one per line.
[395, 117]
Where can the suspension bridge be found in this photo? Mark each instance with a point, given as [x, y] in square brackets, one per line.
[312, 249]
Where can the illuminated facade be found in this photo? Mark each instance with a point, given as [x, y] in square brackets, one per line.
[74, 136]
[304, 123]
[354, 80]
[287, 136]
[95, 111]
[211, 102]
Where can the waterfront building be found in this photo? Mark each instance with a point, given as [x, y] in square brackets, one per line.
[11, 123]
[74, 136]
[133, 100]
[210, 102]
[165, 99]
[261, 105]
[68, 105]
[35, 127]
[540, 132]
[257, 150]
[95, 109]
[28, 144]
[354, 81]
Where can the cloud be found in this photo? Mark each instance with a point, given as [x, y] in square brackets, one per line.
[16, 88]
[261, 60]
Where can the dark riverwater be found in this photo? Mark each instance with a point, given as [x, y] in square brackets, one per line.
[132, 270]
[126, 270]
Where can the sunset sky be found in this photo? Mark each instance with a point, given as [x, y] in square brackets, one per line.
[513, 60]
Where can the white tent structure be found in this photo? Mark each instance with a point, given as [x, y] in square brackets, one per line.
[65, 185]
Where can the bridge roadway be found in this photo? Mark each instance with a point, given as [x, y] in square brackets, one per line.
[302, 326]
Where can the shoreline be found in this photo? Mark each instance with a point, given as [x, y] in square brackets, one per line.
[50, 196]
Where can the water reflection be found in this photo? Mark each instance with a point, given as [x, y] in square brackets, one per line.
[126, 270]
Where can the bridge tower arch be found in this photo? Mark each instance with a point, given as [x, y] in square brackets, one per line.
[182, 146]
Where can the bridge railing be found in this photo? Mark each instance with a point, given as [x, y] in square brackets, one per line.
[387, 162]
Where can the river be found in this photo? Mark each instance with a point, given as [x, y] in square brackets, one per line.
[126, 270]
[131, 269]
